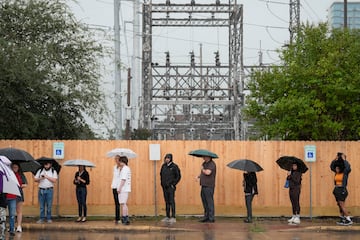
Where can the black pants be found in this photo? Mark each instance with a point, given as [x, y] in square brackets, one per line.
[117, 204]
[81, 193]
[169, 196]
[294, 194]
[248, 202]
[207, 198]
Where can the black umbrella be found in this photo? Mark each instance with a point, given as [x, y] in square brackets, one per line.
[203, 153]
[44, 160]
[286, 162]
[21, 157]
[245, 165]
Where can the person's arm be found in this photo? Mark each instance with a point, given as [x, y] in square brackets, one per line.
[122, 183]
[177, 176]
[347, 169]
[37, 176]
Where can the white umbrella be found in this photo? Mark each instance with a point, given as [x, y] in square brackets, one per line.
[78, 162]
[8, 180]
[122, 152]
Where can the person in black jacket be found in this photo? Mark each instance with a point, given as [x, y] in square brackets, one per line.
[295, 177]
[250, 189]
[170, 176]
[81, 179]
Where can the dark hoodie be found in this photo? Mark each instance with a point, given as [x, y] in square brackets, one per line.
[169, 173]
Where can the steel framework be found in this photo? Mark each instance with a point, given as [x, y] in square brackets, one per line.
[294, 18]
[193, 101]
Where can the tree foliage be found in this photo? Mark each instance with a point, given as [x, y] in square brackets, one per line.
[314, 95]
[48, 72]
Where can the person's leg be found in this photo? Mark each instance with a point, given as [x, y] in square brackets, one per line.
[167, 204]
[49, 202]
[117, 205]
[248, 202]
[2, 222]
[123, 197]
[84, 196]
[172, 202]
[12, 212]
[41, 198]
[78, 198]
[209, 194]
[204, 203]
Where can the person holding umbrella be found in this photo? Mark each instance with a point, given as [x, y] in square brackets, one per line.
[114, 186]
[46, 177]
[294, 177]
[342, 168]
[170, 176]
[250, 190]
[81, 179]
[207, 183]
[124, 188]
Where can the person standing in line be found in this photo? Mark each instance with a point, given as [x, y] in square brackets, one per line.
[295, 177]
[342, 168]
[81, 179]
[19, 199]
[3, 206]
[46, 177]
[250, 190]
[207, 183]
[124, 189]
[170, 176]
[12, 199]
[115, 185]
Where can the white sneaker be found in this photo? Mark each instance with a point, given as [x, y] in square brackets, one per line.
[19, 229]
[172, 220]
[297, 220]
[165, 219]
[291, 220]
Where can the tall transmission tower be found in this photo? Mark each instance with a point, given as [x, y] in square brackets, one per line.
[193, 101]
[294, 25]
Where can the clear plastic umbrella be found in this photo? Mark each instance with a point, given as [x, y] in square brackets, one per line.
[122, 152]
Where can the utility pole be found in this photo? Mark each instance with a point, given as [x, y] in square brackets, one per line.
[294, 19]
[345, 14]
[136, 69]
[128, 108]
[118, 94]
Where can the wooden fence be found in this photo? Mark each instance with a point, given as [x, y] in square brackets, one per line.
[272, 200]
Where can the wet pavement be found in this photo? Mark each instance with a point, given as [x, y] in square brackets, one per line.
[188, 228]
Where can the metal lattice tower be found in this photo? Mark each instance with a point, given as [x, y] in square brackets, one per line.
[294, 19]
[193, 101]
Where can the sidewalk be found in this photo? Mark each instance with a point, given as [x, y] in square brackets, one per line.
[189, 224]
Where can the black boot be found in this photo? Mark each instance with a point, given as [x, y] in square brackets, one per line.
[127, 220]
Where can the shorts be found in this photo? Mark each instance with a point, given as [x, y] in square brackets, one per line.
[123, 197]
[340, 193]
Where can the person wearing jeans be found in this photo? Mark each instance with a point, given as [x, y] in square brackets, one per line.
[81, 179]
[11, 202]
[46, 177]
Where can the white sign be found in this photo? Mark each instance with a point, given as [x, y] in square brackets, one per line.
[310, 153]
[154, 152]
[58, 150]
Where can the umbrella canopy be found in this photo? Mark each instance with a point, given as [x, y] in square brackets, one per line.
[21, 157]
[8, 180]
[53, 162]
[286, 162]
[78, 162]
[122, 152]
[203, 153]
[245, 165]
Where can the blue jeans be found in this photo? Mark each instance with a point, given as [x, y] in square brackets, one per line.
[12, 212]
[81, 193]
[45, 200]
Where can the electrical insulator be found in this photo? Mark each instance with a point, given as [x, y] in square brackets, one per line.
[217, 59]
[167, 59]
[192, 58]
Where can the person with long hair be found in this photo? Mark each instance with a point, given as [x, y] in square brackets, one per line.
[250, 190]
[295, 177]
[114, 186]
[20, 199]
[124, 189]
[342, 168]
[81, 179]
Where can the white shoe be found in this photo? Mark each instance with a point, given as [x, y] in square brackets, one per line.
[297, 220]
[172, 220]
[291, 220]
[19, 229]
[165, 219]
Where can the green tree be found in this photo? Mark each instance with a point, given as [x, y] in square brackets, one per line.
[315, 94]
[49, 72]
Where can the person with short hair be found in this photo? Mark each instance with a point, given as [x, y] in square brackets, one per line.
[46, 177]
[170, 176]
[207, 182]
[124, 189]
[342, 168]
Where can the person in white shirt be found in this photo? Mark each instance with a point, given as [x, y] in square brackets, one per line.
[124, 189]
[46, 177]
[115, 185]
